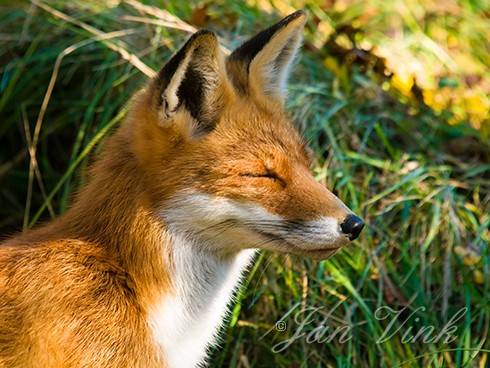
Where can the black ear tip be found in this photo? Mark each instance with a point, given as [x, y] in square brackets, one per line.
[202, 34]
[297, 14]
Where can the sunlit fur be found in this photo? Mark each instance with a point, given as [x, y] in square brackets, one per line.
[141, 268]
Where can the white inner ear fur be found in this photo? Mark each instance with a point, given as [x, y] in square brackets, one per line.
[270, 69]
[169, 95]
[210, 64]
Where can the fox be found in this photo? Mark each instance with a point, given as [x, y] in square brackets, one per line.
[206, 169]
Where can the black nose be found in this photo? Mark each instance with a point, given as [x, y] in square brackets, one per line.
[352, 226]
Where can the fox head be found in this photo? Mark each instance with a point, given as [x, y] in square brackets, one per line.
[222, 162]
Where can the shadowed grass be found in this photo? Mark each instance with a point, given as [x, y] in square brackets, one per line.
[421, 182]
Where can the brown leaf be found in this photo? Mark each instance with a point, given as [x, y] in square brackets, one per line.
[200, 16]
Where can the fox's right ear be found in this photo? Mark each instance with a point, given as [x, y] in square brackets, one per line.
[261, 65]
[193, 80]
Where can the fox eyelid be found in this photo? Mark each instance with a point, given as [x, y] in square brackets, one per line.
[269, 175]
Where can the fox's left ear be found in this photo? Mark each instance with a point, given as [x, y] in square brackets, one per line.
[261, 65]
[193, 80]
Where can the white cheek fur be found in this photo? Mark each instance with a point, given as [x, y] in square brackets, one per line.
[212, 220]
[192, 212]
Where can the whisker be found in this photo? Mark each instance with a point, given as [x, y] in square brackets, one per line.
[304, 229]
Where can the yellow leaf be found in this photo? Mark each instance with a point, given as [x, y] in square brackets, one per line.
[475, 103]
[434, 99]
[323, 32]
[332, 65]
[460, 251]
[478, 277]
[403, 83]
[471, 260]
[472, 208]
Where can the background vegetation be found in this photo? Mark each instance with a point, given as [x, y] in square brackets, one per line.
[394, 99]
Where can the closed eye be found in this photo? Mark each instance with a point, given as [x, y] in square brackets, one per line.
[266, 175]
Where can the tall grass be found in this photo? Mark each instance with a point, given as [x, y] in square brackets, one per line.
[417, 171]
